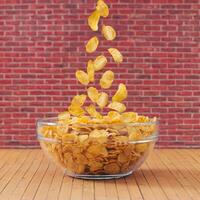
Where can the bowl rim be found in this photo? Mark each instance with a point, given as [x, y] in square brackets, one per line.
[44, 121]
[48, 121]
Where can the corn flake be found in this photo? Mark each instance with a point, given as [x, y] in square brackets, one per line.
[121, 93]
[93, 94]
[113, 117]
[103, 100]
[117, 56]
[129, 117]
[107, 79]
[93, 20]
[82, 77]
[79, 100]
[120, 107]
[90, 70]
[99, 136]
[97, 150]
[92, 111]
[108, 32]
[100, 62]
[92, 45]
[102, 8]
[112, 168]
[76, 110]
[64, 116]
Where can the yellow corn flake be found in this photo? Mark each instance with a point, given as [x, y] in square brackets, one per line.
[103, 100]
[121, 93]
[93, 20]
[107, 79]
[83, 119]
[100, 62]
[67, 138]
[103, 9]
[99, 136]
[95, 166]
[97, 150]
[92, 45]
[62, 129]
[129, 117]
[112, 168]
[143, 119]
[79, 100]
[120, 107]
[108, 32]
[134, 134]
[93, 94]
[76, 110]
[92, 111]
[117, 56]
[90, 70]
[82, 138]
[140, 148]
[82, 77]
[122, 158]
[113, 117]
[64, 116]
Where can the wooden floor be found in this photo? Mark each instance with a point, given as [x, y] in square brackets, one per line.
[167, 174]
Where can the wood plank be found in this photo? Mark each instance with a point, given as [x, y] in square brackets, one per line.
[26, 179]
[55, 185]
[153, 183]
[163, 176]
[66, 188]
[143, 185]
[111, 190]
[8, 161]
[133, 188]
[99, 190]
[185, 167]
[179, 175]
[43, 189]
[193, 167]
[10, 187]
[12, 170]
[77, 189]
[36, 180]
[122, 189]
[88, 190]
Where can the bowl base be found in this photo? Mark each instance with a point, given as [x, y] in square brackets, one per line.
[97, 177]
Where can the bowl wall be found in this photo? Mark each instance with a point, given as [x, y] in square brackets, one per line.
[97, 151]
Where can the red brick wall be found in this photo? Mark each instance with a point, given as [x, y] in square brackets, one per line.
[42, 44]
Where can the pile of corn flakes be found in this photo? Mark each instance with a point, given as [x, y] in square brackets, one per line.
[84, 141]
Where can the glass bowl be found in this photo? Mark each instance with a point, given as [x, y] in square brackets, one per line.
[97, 151]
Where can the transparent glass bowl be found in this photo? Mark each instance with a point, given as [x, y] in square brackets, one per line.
[97, 151]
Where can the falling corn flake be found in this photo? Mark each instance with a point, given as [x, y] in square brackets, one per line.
[121, 93]
[102, 100]
[108, 32]
[82, 77]
[92, 111]
[93, 20]
[92, 44]
[93, 94]
[103, 9]
[90, 70]
[79, 100]
[76, 110]
[100, 62]
[119, 107]
[117, 56]
[107, 79]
